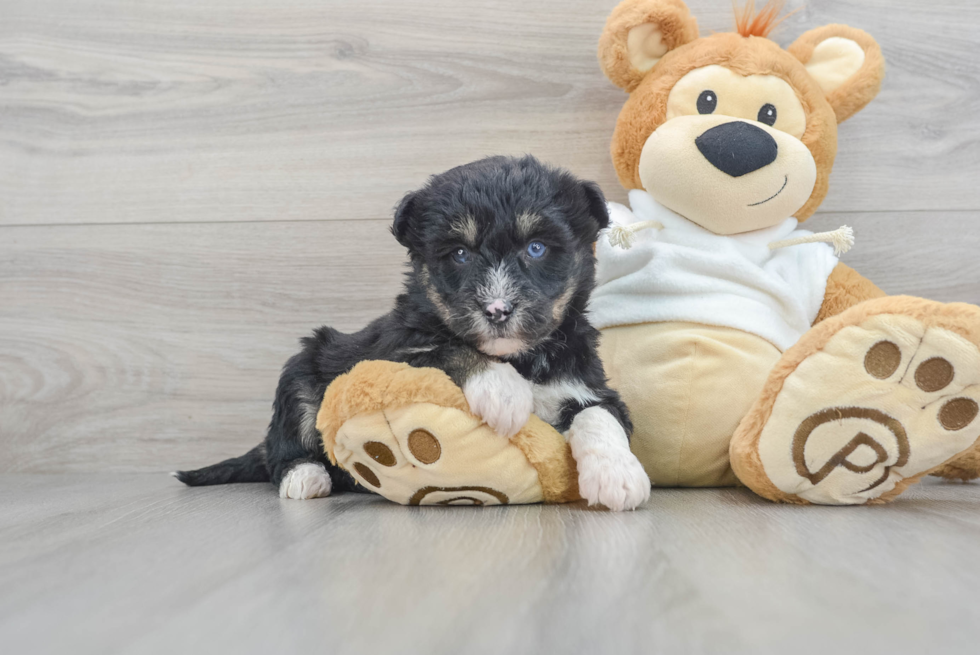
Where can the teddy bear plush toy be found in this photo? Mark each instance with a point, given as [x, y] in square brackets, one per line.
[745, 351]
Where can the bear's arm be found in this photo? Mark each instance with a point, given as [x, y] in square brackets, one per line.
[846, 288]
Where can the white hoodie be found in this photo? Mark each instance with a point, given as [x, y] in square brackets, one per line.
[687, 273]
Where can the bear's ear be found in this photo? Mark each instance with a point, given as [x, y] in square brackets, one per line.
[640, 32]
[845, 62]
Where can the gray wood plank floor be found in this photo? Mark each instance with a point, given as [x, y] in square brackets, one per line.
[138, 564]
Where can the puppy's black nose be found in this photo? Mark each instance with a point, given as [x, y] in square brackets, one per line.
[737, 148]
[498, 311]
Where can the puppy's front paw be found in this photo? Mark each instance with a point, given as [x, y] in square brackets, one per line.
[613, 478]
[501, 397]
[306, 480]
[608, 472]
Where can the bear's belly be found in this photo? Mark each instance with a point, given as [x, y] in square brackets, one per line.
[687, 386]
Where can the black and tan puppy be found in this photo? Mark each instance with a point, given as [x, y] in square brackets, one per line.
[501, 271]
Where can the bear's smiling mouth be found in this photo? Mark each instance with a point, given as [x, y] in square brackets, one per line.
[762, 202]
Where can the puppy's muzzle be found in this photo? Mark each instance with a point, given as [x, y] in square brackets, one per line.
[498, 311]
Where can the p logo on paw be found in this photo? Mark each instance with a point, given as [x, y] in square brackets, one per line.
[458, 496]
[861, 454]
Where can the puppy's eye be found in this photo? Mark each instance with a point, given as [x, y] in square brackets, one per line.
[461, 255]
[767, 114]
[536, 249]
[707, 102]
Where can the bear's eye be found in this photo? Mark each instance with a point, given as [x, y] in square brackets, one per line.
[707, 102]
[461, 255]
[767, 114]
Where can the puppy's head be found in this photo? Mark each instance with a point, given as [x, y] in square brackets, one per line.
[502, 247]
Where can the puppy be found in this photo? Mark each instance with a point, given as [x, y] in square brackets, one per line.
[501, 271]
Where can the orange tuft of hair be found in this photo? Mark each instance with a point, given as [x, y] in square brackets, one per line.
[750, 23]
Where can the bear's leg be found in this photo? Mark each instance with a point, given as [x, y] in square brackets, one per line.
[965, 467]
[846, 288]
[865, 404]
[406, 434]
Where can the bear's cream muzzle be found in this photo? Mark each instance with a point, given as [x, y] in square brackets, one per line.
[726, 174]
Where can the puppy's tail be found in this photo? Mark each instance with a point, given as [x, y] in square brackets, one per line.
[250, 467]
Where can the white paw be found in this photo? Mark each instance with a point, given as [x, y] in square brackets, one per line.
[501, 397]
[608, 472]
[613, 478]
[307, 480]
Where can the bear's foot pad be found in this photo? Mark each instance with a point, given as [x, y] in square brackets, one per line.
[425, 454]
[880, 404]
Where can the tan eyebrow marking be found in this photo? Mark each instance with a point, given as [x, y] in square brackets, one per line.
[526, 223]
[465, 228]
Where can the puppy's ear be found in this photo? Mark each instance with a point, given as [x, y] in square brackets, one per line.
[640, 32]
[404, 218]
[597, 204]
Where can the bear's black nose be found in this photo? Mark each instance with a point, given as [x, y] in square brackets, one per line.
[737, 148]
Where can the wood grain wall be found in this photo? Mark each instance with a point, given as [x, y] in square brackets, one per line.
[186, 188]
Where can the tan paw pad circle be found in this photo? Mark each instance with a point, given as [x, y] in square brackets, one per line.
[958, 413]
[424, 446]
[882, 360]
[934, 374]
[368, 475]
[380, 453]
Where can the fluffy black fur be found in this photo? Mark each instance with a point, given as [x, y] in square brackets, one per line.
[491, 210]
